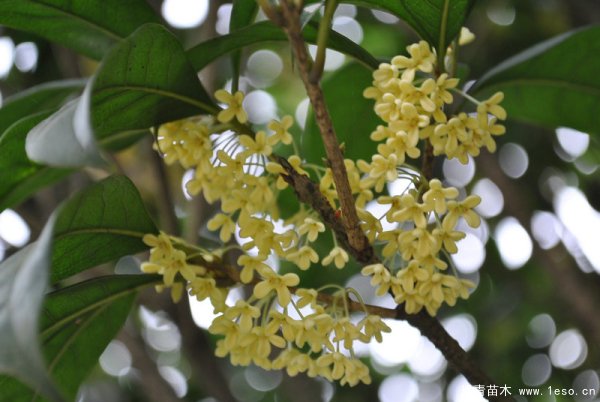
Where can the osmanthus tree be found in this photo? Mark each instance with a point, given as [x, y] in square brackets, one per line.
[294, 196]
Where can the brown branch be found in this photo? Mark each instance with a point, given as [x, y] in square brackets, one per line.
[291, 18]
[308, 193]
[349, 233]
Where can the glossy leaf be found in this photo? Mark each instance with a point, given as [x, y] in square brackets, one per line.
[65, 138]
[243, 13]
[102, 223]
[343, 95]
[23, 281]
[206, 52]
[144, 81]
[77, 324]
[19, 177]
[554, 83]
[90, 28]
[425, 17]
[48, 96]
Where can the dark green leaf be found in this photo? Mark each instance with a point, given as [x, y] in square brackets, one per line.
[144, 81]
[425, 17]
[89, 27]
[23, 281]
[19, 177]
[206, 52]
[554, 83]
[343, 94]
[65, 138]
[98, 225]
[48, 96]
[77, 324]
[243, 13]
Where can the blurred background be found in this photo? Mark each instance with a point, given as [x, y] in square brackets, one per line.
[533, 320]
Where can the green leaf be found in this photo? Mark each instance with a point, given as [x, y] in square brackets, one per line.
[343, 94]
[145, 81]
[19, 177]
[243, 13]
[425, 17]
[48, 96]
[23, 281]
[89, 27]
[206, 52]
[77, 324]
[104, 222]
[554, 83]
[65, 138]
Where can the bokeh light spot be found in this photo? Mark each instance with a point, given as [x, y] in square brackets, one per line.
[546, 229]
[459, 390]
[26, 56]
[457, 174]
[513, 160]
[463, 328]
[7, 54]
[263, 67]
[175, 378]
[390, 352]
[573, 142]
[116, 359]
[13, 229]
[398, 388]
[261, 106]
[536, 370]
[470, 255]
[492, 200]
[568, 350]
[540, 331]
[513, 242]
[185, 13]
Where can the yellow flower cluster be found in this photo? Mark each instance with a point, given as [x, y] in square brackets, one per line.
[168, 259]
[412, 103]
[240, 173]
[413, 108]
[237, 171]
[257, 331]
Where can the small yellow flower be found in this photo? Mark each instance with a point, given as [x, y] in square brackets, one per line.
[278, 283]
[338, 256]
[257, 145]
[435, 198]
[234, 106]
[281, 130]
[464, 209]
[303, 257]
[311, 228]
[411, 211]
[373, 327]
[492, 106]
[245, 312]
[224, 222]
[250, 265]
